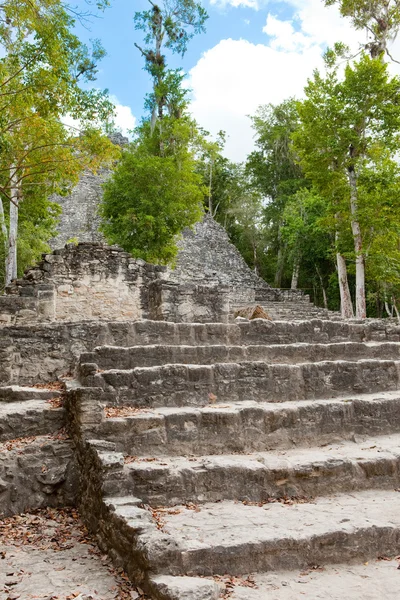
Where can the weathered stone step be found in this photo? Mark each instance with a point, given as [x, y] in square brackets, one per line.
[374, 580]
[16, 393]
[167, 587]
[229, 537]
[312, 472]
[29, 418]
[293, 309]
[195, 385]
[250, 426]
[42, 352]
[111, 357]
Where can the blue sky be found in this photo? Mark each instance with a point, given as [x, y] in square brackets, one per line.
[253, 52]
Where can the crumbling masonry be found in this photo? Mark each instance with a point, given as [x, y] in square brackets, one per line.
[177, 430]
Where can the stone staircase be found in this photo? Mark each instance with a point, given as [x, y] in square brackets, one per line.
[37, 466]
[211, 452]
[297, 311]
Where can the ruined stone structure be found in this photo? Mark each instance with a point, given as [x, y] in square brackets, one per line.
[183, 439]
[79, 219]
[199, 448]
[94, 281]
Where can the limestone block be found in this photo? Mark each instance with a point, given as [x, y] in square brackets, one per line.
[65, 289]
[252, 312]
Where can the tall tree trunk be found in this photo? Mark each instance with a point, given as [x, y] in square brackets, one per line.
[11, 255]
[396, 310]
[210, 204]
[255, 257]
[324, 296]
[295, 272]
[280, 261]
[3, 226]
[361, 307]
[346, 305]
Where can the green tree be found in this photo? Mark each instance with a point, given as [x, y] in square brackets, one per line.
[380, 19]
[171, 25]
[155, 190]
[40, 76]
[276, 173]
[345, 127]
[308, 239]
[148, 201]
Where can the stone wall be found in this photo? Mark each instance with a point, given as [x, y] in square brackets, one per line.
[42, 352]
[95, 281]
[79, 218]
[87, 281]
[36, 473]
[188, 302]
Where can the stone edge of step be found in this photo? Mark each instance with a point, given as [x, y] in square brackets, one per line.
[168, 587]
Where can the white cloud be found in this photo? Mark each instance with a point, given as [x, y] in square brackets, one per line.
[284, 35]
[324, 25]
[255, 4]
[124, 119]
[232, 79]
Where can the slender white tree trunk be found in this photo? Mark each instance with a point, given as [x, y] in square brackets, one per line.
[345, 297]
[11, 255]
[255, 257]
[361, 308]
[346, 305]
[3, 226]
[323, 288]
[210, 204]
[295, 272]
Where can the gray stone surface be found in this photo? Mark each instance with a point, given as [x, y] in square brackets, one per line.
[49, 554]
[31, 417]
[109, 357]
[36, 472]
[229, 537]
[41, 352]
[185, 588]
[206, 255]
[234, 467]
[260, 477]
[84, 281]
[192, 385]
[375, 580]
[79, 217]
[253, 446]
[16, 393]
[247, 426]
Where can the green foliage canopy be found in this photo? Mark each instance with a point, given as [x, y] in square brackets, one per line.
[148, 202]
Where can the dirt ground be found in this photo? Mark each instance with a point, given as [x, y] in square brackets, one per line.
[49, 555]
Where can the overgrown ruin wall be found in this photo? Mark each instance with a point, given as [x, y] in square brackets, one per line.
[80, 219]
[88, 281]
[96, 281]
